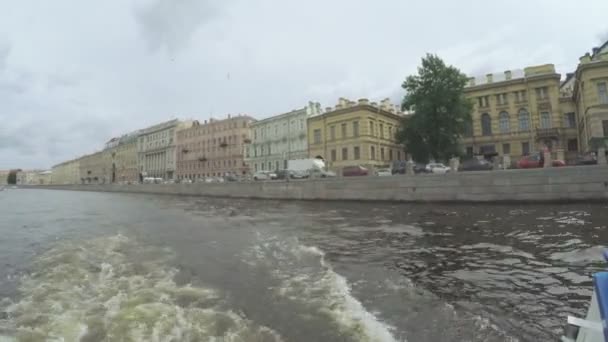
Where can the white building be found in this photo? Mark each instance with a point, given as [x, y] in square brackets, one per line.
[277, 139]
[156, 149]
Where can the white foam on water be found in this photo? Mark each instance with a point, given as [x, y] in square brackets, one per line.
[307, 279]
[113, 289]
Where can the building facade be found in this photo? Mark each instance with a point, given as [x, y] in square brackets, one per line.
[214, 148]
[518, 113]
[590, 95]
[95, 168]
[123, 158]
[157, 151]
[67, 172]
[280, 138]
[356, 133]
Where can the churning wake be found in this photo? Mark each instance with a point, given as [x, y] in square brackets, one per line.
[114, 289]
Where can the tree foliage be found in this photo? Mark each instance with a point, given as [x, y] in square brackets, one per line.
[12, 177]
[441, 111]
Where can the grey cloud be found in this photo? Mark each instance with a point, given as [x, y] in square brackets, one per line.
[170, 24]
[5, 49]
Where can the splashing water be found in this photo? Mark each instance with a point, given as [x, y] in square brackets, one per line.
[113, 289]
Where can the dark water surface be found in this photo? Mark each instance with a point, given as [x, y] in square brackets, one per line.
[127, 267]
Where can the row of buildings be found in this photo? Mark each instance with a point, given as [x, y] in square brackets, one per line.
[515, 113]
[350, 133]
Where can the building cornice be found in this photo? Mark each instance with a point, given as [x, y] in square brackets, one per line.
[357, 107]
[515, 81]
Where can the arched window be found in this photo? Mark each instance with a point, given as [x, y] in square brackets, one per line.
[524, 120]
[503, 121]
[486, 124]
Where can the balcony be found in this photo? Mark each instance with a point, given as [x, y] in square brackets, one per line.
[547, 133]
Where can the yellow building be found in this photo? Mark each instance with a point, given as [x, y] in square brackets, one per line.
[590, 94]
[355, 133]
[95, 168]
[67, 172]
[122, 154]
[520, 112]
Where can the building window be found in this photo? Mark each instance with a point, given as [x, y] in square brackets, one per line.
[469, 151]
[343, 131]
[525, 148]
[487, 149]
[542, 93]
[503, 121]
[501, 99]
[356, 153]
[545, 120]
[356, 129]
[277, 165]
[486, 124]
[332, 133]
[602, 93]
[506, 148]
[381, 153]
[570, 120]
[344, 153]
[333, 155]
[372, 153]
[317, 136]
[483, 101]
[524, 120]
[605, 127]
[572, 145]
[390, 132]
[381, 129]
[520, 96]
[255, 166]
[371, 128]
[390, 154]
[398, 155]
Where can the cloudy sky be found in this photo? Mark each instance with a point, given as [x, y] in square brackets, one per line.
[75, 73]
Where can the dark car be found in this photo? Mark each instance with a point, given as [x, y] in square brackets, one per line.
[420, 168]
[475, 164]
[399, 167]
[586, 159]
[350, 171]
[282, 174]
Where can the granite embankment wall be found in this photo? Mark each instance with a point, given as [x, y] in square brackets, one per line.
[555, 184]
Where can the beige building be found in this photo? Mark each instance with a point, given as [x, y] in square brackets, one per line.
[95, 168]
[213, 148]
[518, 113]
[356, 133]
[590, 95]
[123, 158]
[67, 172]
[4, 176]
[157, 151]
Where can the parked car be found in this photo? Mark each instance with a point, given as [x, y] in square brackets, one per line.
[323, 173]
[231, 178]
[437, 168]
[350, 171]
[384, 172]
[420, 168]
[475, 164]
[264, 175]
[399, 167]
[282, 174]
[297, 174]
[533, 161]
[586, 159]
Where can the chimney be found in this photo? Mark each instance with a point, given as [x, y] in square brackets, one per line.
[343, 102]
[471, 81]
[489, 78]
[508, 75]
[363, 101]
[328, 109]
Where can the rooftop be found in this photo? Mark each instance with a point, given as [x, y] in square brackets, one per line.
[508, 75]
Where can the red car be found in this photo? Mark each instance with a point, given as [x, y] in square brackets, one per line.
[350, 171]
[533, 161]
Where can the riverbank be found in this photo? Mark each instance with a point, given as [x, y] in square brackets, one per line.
[589, 183]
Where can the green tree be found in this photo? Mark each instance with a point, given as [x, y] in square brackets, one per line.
[441, 111]
[12, 177]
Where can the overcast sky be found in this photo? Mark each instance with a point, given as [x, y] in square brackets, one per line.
[75, 73]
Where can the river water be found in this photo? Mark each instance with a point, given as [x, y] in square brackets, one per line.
[130, 267]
